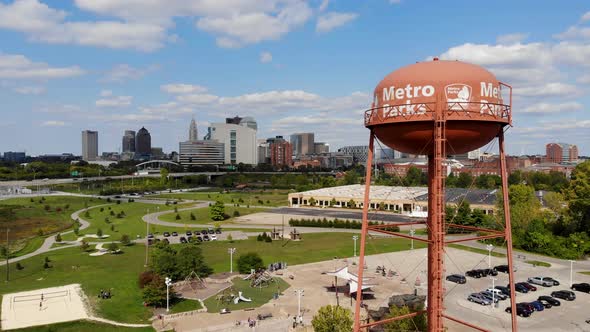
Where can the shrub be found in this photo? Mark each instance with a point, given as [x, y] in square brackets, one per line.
[118, 202]
[332, 318]
[101, 209]
[84, 246]
[248, 261]
[87, 214]
[112, 213]
[40, 232]
[19, 266]
[112, 228]
[47, 207]
[236, 213]
[46, 265]
[145, 278]
[125, 240]
[58, 209]
[109, 200]
[230, 238]
[99, 232]
[178, 216]
[58, 237]
[193, 216]
[107, 220]
[67, 206]
[47, 260]
[113, 247]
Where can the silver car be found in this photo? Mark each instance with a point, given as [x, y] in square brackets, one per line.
[543, 281]
[478, 298]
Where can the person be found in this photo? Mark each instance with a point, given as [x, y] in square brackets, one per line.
[294, 321]
[40, 305]
[301, 320]
[41, 297]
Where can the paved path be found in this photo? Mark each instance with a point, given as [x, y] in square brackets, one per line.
[112, 322]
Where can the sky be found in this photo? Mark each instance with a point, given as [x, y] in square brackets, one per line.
[294, 65]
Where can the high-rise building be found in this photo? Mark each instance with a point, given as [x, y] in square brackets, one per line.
[192, 131]
[239, 139]
[359, 153]
[143, 143]
[302, 144]
[263, 151]
[198, 153]
[561, 152]
[321, 147]
[281, 153]
[128, 141]
[89, 145]
[15, 157]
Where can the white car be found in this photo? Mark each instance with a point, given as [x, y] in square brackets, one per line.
[213, 237]
[495, 291]
[543, 281]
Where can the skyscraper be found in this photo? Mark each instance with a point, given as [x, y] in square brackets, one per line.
[239, 139]
[281, 152]
[561, 152]
[143, 142]
[303, 144]
[192, 131]
[128, 141]
[89, 145]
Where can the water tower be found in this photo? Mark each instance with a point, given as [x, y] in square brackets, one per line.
[438, 108]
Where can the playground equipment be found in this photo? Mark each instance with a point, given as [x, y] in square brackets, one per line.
[241, 298]
[192, 282]
[262, 279]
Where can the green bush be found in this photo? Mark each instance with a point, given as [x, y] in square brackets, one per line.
[248, 261]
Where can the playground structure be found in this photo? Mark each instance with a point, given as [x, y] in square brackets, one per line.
[437, 108]
[261, 278]
[230, 295]
[191, 284]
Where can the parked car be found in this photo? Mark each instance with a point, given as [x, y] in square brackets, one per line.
[174, 234]
[538, 306]
[199, 239]
[497, 293]
[504, 290]
[545, 303]
[583, 287]
[210, 231]
[204, 232]
[182, 239]
[478, 298]
[166, 241]
[166, 234]
[189, 233]
[490, 272]
[206, 238]
[522, 311]
[457, 278]
[520, 288]
[150, 236]
[554, 302]
[490, 296]
[503, 268]
[555, 282]
[474, 274]
[529, 286]
[526, 305]
[218, 231]
[213, 237]
[564, 295]
[540, 281]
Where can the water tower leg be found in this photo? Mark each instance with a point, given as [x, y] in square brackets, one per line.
[507, 227]
[361, 265]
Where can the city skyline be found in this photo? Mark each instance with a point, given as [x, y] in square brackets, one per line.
[309, 72]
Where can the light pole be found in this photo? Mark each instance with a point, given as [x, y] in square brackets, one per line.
[571, 271]
[168, 282]
[147, 240]
[493, 287]
[412, 232]
[299, 293]
[354, 238]
[7, 255]
[490, 247]
[231, 252]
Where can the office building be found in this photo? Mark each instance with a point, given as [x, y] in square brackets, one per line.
[15, 157]
[238, 138]
[263, 151]
[89, 145]
[561, 152]
[281, 152]
[143, 143]
[192, 131]
[359, 153]
[128, 142]
[157, 153]
[321, 147]
[302, 144]
[199, 153]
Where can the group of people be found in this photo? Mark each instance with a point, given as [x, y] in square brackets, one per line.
[104, 294]
[297, 320]
[251, 322]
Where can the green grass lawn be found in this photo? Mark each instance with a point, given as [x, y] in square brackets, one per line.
[29, 245]
[539, 263]
[585, 272]
[182, 305]
[131, 224]
[202, 215]
[83, 326]
[476, 250]
[314, 247]
[258, 295]
[268, 197]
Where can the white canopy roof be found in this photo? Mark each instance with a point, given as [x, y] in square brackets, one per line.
[351, 278]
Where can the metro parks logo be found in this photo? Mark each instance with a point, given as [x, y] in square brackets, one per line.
[458, 96]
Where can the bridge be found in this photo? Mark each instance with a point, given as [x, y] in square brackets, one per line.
[157, 163]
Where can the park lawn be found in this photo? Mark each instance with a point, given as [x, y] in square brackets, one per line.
[182, 305]
[585, 272]
[28, 246]
[71, 265]
[314, 247]
[202, 215]
[274, 197]
[131, 224]
[539, 263]
[258, 295]
[476, 250]
[84, 326]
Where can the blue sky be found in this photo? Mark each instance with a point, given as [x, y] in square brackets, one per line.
[111, 65]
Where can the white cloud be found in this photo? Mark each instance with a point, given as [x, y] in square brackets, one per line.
[331, 21]
[557, 108]
[584, 79]
[323, 5]
[20, 67]
[106, 93]
[180, 88]
[124, 72]
[585, 17]
[118, 101]
[53, 123]
[265, 57]
[512, 38]
[548, 90]
[526, 55]
[574, 32]
[197, 98]
[30, 90]
[65, 108]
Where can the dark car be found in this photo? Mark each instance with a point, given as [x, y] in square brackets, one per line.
[457, 278]
[503, 268]
[211, 231]
[166, 241]
[182, 239]
[583, 287]
[174, 234]
[538, 306]
[504, 290]
[150, 236]
[521, 310]
[490, 296]
[204, 232]
[218, 231]
[199, 239]
[520, 288]
[554, 302]
[529, 286]
[555, 282]
[150, 242]
[564, 295]
[546, 304]
[206, 238]
[490, 272]
[474, 274]
[189, 233]
[166, 234]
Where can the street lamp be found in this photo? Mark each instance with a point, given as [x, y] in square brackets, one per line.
[168, 282]
[490, 247]
[354, 238]
[231, 252]
[299, 293]
[7, 255]
[147, 240]
[571, 272]
[412, 232]
[493, 287]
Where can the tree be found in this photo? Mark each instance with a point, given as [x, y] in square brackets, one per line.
[578, 197]
[416, 323]
[190, 258]
[113, 247]
[154, 293]
[230, 238]
[332, 319]
[414, 176]
[312, 201]
[464, 180]
[125, 240]
[248, 261]
[58, 237]
[193, 216]
[351, 204]
[217, 211]
[99, 233]
[84, 246]
[164, 175]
